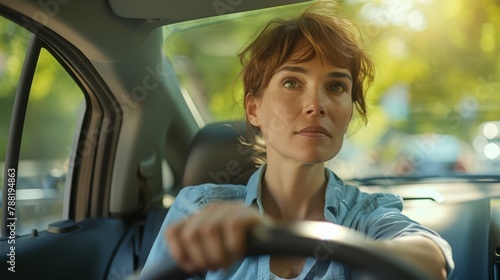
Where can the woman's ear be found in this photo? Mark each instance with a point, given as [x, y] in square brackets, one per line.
[251, 109]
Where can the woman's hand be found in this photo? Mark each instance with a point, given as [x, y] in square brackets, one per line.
[214, 237]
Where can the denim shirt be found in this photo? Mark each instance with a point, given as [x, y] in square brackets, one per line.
[378, 216]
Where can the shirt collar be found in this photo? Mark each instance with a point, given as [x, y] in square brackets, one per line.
[254, 187]
[334, 192]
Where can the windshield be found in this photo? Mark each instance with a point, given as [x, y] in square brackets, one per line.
[434, 107]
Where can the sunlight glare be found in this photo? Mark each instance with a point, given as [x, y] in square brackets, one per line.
[479, 143]
[490, 131]
[492, 151]
[416, 20]
[397, 13]
[327, 231]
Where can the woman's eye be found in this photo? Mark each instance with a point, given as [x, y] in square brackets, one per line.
[338, 87]
[290, 84]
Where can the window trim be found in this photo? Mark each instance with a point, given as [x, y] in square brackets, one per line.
[16, 127]
[95, 167]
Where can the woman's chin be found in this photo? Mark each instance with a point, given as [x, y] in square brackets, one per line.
[317, 157]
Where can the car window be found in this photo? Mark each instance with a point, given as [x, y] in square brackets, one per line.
[54, 105]
[434, 108]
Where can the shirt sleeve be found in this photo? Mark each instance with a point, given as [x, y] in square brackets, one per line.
[380, 216]
[188, 202]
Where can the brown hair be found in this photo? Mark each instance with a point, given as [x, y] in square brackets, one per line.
[326, 34]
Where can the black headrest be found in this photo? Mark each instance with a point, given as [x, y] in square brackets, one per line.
[217, 156]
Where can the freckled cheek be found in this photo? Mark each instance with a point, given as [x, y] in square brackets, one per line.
[276, 118]
[284, 111]
[342, 114]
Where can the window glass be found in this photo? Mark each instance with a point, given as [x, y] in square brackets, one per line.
[434, 107]
[55, 103]
[204, 55]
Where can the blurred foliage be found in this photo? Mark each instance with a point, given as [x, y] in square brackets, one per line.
[53, 103]
[440, 58]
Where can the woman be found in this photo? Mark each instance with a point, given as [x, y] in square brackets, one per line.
[303, 79]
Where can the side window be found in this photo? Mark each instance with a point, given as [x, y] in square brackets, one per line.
[55, 104]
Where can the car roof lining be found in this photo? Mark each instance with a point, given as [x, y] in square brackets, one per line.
[183, 10]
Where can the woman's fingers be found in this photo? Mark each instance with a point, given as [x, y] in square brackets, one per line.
[214, 237]
[204, 236]
[237, 227]
[177, 250]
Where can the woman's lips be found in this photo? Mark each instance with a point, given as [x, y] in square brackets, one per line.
[314, 131]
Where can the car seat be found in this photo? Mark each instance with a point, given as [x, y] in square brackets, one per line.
[217, 156]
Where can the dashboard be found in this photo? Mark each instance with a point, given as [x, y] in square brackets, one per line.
[466, 213]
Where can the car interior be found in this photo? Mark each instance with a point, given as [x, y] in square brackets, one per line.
[134, 136]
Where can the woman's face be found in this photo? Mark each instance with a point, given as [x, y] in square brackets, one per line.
[304, 112]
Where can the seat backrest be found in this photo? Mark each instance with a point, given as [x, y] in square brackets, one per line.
[217, 156]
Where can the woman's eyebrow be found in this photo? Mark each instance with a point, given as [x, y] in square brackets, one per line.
[302, 70]
[340, 75]
[296, 69]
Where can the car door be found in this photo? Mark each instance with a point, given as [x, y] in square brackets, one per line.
[51, 120]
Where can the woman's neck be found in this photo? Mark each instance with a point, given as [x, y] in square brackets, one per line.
[294, 192]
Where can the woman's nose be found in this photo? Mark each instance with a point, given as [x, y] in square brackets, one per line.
[315, 104]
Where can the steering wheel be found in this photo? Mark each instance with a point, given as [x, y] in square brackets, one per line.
[322, 240]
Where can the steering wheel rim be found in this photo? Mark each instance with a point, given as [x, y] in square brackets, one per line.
[322, 240]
